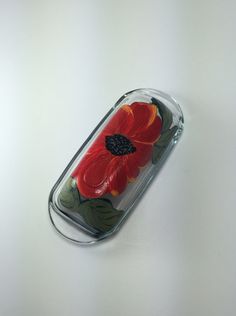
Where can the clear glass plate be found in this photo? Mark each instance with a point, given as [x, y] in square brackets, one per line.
[107, 176]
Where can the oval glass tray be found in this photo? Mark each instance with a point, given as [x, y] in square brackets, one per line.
[107, 176]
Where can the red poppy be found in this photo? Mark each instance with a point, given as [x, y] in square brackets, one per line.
[121, 149]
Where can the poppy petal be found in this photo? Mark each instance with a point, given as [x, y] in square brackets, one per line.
[142, 154]
[144, 115]
[91, 174]
[117, 176]
[120, 122]
[151, 133]
[132, 169]
[98, 144]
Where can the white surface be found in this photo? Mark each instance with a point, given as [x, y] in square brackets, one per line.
[63, 65]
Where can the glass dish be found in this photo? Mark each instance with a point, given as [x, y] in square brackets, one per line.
[107, 176]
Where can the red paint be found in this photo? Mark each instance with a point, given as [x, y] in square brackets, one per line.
[101, 172]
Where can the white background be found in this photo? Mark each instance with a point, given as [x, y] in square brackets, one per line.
[63, 64]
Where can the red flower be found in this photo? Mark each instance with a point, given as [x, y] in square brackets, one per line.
[116, 155]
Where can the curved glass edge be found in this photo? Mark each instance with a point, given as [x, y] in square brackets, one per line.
[72, 231]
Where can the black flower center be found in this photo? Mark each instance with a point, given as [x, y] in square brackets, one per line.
[119, 145]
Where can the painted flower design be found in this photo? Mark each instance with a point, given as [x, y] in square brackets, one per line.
[121, 149]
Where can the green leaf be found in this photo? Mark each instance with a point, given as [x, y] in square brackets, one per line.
[69, 196]
[166, 115]
[163, 142]
[100, 214]
[167, 134]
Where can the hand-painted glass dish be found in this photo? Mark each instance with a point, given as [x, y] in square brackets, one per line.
[114, 166]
